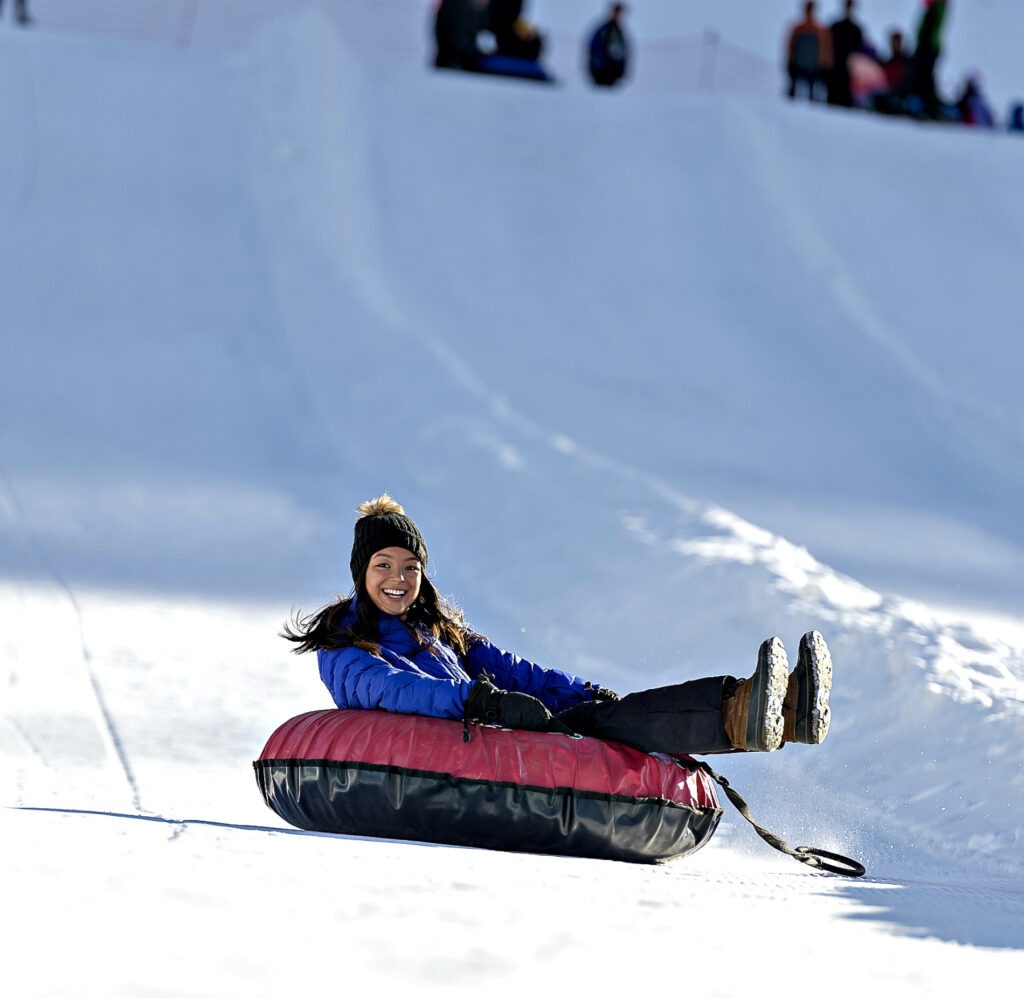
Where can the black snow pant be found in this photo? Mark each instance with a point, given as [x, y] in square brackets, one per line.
[685, 719]
[812, 80]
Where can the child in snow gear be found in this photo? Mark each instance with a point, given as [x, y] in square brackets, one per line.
[396, 644]
[608, 51]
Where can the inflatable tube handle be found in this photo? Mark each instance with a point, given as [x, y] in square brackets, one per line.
[832, 862]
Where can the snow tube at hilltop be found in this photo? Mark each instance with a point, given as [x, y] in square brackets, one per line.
[400, 776]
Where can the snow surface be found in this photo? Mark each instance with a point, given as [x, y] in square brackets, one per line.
[657, 374]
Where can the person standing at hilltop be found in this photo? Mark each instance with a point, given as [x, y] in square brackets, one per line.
[921, 85]
[808, 54]
[847, 39]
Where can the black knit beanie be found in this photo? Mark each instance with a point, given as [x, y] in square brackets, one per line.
[383, 524]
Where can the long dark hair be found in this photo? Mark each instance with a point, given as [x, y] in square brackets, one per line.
[431, 615]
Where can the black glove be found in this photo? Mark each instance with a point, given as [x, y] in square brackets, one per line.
[600, 693]
[523, 712]
[511, 710]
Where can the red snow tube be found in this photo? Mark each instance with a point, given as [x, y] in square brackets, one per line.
[401, 776]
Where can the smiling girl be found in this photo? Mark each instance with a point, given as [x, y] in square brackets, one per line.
[395, 644]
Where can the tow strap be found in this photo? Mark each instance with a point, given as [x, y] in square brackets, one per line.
[820, 859]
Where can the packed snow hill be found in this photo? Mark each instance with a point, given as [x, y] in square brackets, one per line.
[658, 374]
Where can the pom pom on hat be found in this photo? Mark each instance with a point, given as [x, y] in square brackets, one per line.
[383, 523]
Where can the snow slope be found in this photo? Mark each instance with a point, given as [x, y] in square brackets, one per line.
[657, 374]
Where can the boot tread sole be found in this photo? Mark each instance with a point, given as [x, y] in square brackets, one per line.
[764, 720]
[813, 712]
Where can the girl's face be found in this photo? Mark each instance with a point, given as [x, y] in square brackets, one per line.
[393, 579]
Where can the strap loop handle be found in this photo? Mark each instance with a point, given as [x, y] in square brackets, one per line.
[819, 859]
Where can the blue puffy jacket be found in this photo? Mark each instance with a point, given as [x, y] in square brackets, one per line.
[408, 679]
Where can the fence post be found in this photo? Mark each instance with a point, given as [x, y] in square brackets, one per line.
[708, 61]
[186, 22]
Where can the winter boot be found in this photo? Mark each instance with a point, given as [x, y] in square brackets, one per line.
[752, 714]
[805, 711]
